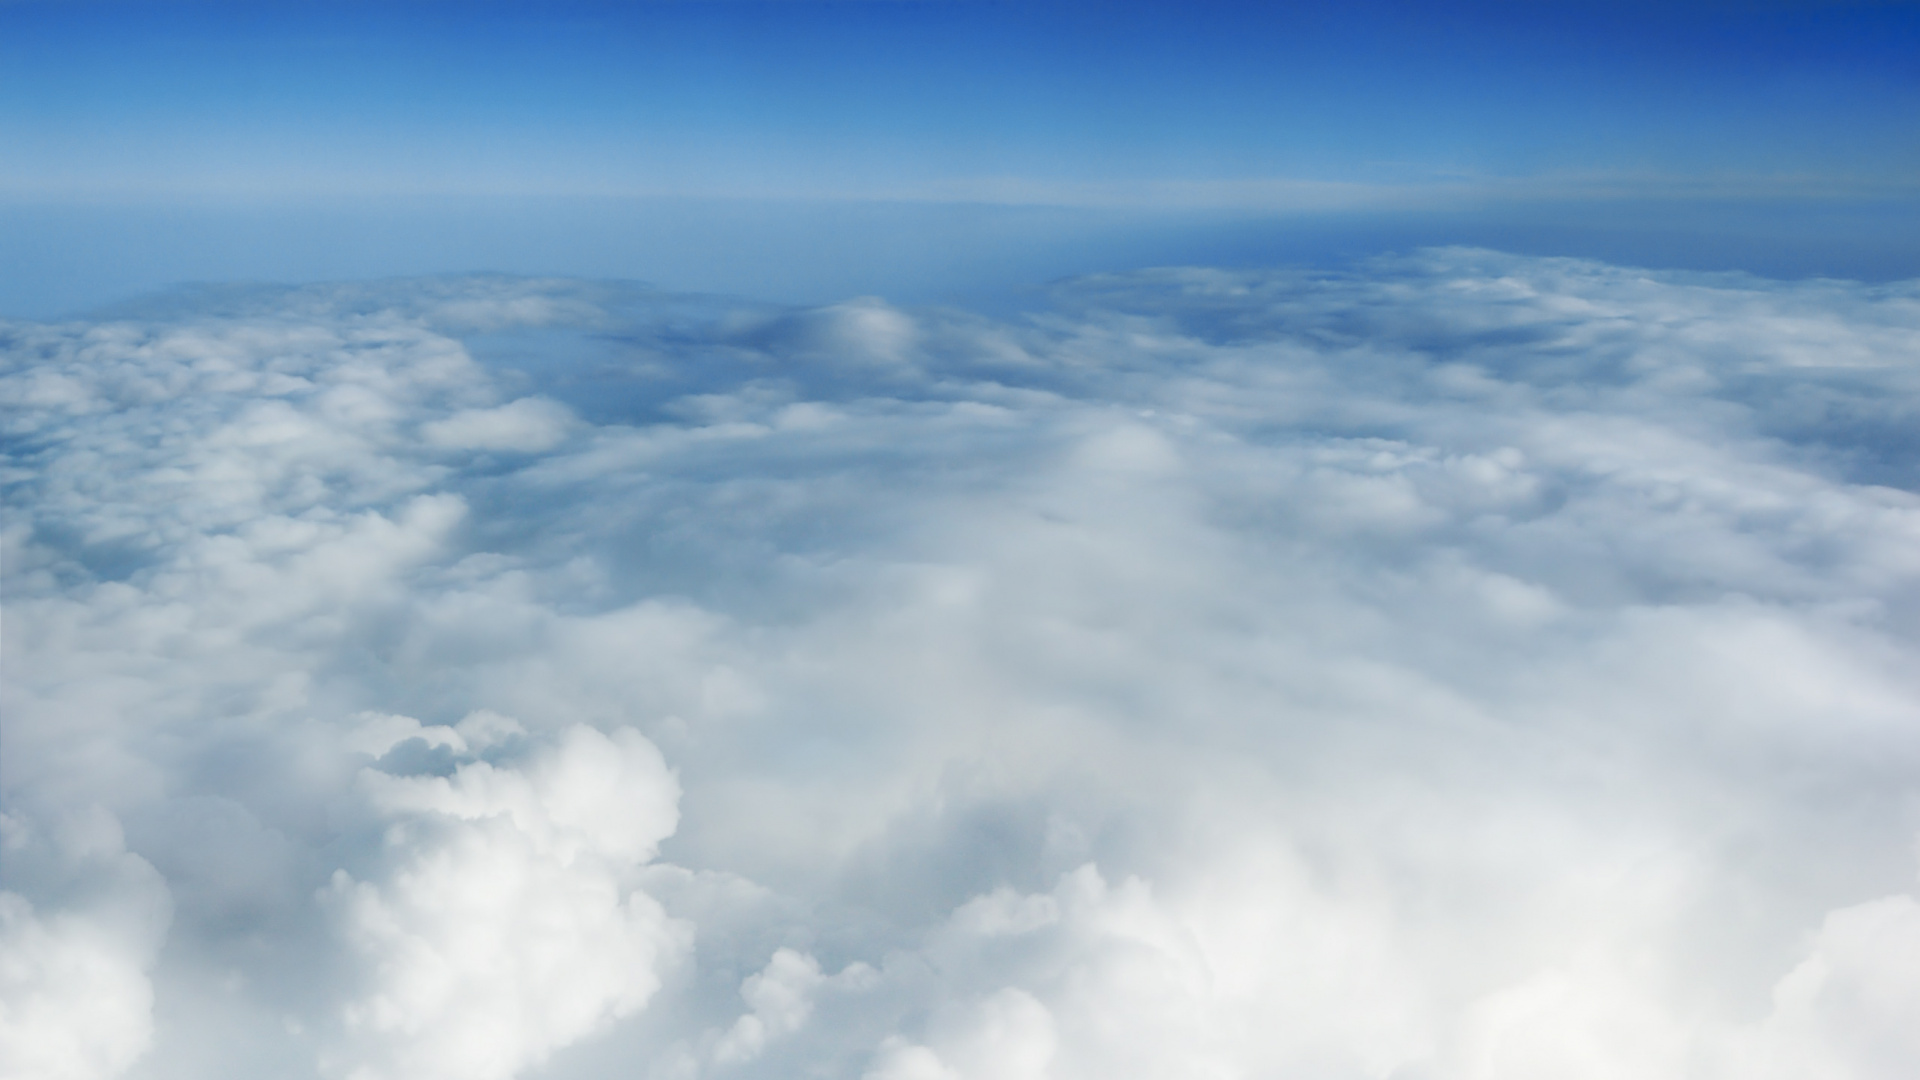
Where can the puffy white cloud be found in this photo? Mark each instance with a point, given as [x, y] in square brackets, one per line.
[1847, 1009]
[76, 1000]
[527, 426]
[780, 1000]
[506, 922]
[1463, 667]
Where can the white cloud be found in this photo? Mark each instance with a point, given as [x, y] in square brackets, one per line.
[1461, 668]
[76, 1000]
[1847, 1009]
[526, 426]
[780, 1000]
[507, 923]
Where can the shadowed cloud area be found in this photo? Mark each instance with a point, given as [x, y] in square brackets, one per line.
[1464, 666]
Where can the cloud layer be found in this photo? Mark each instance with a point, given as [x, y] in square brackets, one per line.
[1465, 667]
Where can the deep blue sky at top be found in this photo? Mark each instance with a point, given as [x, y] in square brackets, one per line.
[909, 98]
[1272, 108]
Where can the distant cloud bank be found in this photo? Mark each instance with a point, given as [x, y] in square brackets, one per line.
[1463, 667]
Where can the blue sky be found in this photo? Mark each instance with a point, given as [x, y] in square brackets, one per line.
[1560, 113]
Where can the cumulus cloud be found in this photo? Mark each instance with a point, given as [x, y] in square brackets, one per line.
[528, 425]
[506, 924]
[1461, 667]
[76, 1001]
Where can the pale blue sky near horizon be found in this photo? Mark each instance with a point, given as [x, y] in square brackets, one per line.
[939, 151]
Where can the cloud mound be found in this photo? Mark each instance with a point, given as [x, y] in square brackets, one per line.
[502, 929]
[1461, 667]
[76, 1001]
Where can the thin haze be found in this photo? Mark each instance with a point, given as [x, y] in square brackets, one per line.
[938, 151]
[1123, 543]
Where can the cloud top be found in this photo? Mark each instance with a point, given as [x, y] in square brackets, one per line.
[1462, 666]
